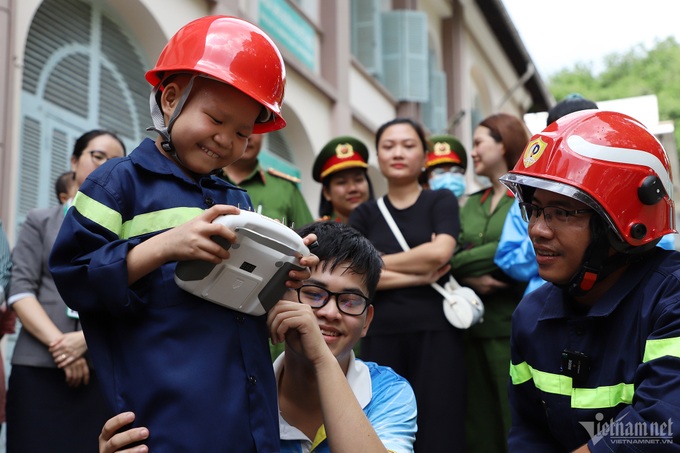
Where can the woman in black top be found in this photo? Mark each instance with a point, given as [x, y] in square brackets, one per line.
[410, 332]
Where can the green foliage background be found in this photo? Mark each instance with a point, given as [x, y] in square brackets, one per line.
[637, 72]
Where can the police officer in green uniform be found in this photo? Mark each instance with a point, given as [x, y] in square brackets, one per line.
[445, 165]
[341, 167]
[273, 193]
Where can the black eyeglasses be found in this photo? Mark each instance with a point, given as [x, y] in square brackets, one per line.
[352, 304]
[554, 217]
[98, 157]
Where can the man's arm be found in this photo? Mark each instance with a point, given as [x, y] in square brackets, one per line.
[347, 427]
[656, 403]
[529, 432]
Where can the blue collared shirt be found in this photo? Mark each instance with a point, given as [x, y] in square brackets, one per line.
[386, 398]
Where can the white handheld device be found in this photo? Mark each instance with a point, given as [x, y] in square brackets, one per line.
[252, 279]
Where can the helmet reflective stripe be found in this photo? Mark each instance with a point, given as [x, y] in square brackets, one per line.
[621, 156]
[614, 159]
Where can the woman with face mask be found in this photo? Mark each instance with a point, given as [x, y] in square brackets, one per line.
[445, 165]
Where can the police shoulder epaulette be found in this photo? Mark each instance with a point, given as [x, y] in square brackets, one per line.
[282, 175]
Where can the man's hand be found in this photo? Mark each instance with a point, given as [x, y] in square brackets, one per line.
[297, 324]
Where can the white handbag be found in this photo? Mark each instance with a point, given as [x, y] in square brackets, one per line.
[462, 306]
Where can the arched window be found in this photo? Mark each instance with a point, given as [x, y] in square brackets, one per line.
[82, 70]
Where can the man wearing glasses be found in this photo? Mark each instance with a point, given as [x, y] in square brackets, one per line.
[596, 351]
[328, 400]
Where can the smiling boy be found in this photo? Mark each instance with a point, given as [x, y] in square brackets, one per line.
[328, 399]
[160, 351]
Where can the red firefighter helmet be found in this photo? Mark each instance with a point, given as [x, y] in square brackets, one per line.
[232, 51]
[608, 161]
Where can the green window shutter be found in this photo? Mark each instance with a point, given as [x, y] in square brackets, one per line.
[405, 56]
[29, 161]
[60, 153]
[366, 35]
[434, 110]
[82, 71]
[123, 90]
[276, 153]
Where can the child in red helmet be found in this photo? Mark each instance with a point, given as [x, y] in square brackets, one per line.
[197, 374]
[595, 352]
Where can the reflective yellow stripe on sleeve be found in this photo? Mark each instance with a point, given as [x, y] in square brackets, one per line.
[142, 224]
[157, 221]
[520, 373]
[655, 349]
[98, 213]
[581, 398]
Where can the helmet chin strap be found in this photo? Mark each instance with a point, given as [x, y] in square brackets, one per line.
[597, 262]
[159, 120]
[595, 267]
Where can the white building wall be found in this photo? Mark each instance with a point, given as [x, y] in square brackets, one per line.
[486, 77]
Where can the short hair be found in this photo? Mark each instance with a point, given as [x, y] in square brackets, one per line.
[63, 183]
[570, 104]
[339, 243]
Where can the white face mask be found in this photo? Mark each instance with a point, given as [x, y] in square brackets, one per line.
[455, 182]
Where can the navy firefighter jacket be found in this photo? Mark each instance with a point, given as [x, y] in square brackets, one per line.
[609, 377]
[198, 375]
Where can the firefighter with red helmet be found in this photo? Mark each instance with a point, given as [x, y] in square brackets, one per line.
[596, 353]
[199, 376]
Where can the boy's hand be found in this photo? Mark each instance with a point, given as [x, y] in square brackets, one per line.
[192, 240]
[110, 440]
[297, 277]
[297, 324]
